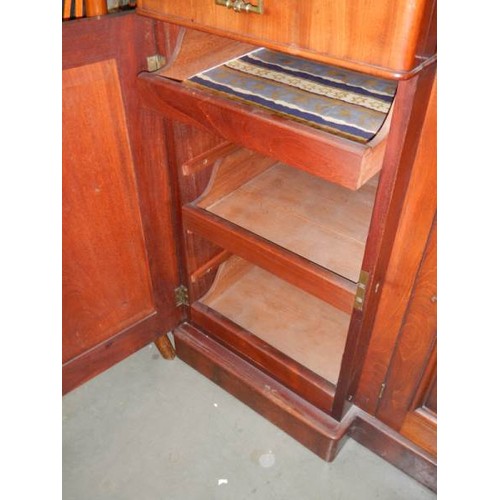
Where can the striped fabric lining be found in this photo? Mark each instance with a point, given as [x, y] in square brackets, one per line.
[341, 102]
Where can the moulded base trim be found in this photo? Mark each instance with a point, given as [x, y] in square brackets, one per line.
[310, 426]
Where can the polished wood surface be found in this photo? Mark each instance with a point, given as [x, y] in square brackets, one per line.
[417, 216]
[302, 327]
[415, 345]
[117, 284]
[382, 37]
[312, 427]
[307, 424]
[405, 160]
[196, 51]
[289, 266]
[259, 353]
[106, 279]
[96, 8]
[328, 156]
[174, 153]
[232, 170]
[393, 447]
[317, 220]
[409, 403]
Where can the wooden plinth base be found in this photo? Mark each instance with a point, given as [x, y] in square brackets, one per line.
[312, 427]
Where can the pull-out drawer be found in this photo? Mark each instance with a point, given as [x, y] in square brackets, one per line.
[283, 219]
[293, 336]
[324, 120]
[385, 35]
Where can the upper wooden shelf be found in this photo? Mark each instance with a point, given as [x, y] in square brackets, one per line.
[387, 38]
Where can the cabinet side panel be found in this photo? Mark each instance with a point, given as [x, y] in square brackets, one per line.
[416, 220]
[106, 280]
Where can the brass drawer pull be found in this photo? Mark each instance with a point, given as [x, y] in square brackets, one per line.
[242, 6]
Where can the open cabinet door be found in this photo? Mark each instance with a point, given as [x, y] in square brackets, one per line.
[120, 265]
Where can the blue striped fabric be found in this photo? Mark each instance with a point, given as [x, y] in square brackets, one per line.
[342, 102]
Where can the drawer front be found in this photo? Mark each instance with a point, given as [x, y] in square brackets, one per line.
[385, 35]
[275, 25]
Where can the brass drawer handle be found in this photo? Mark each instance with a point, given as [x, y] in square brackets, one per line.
[242, 6]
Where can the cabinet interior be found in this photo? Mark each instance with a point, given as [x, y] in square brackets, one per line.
[274, 256]
[276, 211]
[320, 221]
[302, 327]
[267, 219]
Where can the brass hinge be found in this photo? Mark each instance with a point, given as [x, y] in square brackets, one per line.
[359, 299]
[155, 62]
[181, 296]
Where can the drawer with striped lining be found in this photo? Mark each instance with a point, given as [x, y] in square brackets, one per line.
[328, 121]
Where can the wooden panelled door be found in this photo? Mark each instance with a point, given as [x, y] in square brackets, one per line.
[410, 396]
[119, 260]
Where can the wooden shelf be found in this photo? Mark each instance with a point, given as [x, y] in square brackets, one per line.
[317, 220]
[302, 327]
[309, 232]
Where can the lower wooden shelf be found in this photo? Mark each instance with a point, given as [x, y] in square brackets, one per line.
[307, 330]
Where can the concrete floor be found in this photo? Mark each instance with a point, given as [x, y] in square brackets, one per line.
[150, 429]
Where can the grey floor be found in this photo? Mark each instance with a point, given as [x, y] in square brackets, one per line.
[151, 429]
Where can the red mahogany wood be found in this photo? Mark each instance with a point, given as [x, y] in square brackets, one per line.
[96, 8]
[298, 271]
[143, 155]
[303, 421]
[105, 294]
[288, 372]
[318, 220]
[396, 449]
[117, 283]
[417, 216]
[405, 145]
[406, 388]
[333, 158]
[190, 146]
[409, 402]
[302, 327]
[196, 51]
[388, 38]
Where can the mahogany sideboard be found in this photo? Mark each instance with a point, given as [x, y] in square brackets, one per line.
[295, 268]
